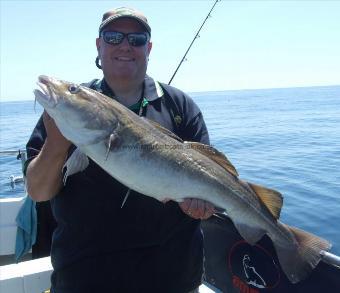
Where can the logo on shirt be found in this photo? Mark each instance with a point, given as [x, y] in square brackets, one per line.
[178, 120]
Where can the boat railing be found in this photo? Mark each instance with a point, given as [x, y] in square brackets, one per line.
[330, 258]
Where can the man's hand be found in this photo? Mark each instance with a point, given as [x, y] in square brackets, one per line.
[44, 172]
[197, 209]
[55, 138]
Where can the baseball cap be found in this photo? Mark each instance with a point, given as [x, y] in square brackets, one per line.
[124, 12]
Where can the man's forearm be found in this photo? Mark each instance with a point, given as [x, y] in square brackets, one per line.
[44, 173]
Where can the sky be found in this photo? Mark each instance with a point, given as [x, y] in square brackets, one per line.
[243, 45]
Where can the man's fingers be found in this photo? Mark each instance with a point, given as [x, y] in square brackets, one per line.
[46, 117]
[209, 211]
[197, 209]
[48, 121]
[185, 205]
[192, 211]
[55, 137]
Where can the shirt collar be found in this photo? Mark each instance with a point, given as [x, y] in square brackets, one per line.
[152, 89]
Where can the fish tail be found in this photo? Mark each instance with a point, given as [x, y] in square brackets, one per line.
[300, 257]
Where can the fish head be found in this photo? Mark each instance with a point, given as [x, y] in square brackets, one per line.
[81, 114]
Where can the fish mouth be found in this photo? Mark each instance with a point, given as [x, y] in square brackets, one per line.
[45, 95]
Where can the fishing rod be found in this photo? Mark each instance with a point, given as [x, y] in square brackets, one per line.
[196, 36]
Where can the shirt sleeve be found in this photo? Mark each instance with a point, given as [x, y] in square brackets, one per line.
[196, 130]
[194, 127]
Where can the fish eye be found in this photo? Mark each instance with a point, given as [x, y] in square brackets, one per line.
[73, 88]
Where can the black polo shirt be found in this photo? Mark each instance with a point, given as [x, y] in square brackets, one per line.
[146, 246]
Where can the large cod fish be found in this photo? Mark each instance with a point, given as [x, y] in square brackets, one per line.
[153, 161]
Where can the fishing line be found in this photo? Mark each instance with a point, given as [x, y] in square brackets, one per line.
[196, 36]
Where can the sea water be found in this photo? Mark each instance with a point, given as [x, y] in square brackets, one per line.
[285, 139]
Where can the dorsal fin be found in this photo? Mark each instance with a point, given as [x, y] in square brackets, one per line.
[163, 129]
[214, 155]
[272, 199]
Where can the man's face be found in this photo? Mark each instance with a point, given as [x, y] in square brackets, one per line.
[123, 61]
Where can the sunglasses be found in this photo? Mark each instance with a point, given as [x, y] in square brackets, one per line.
[116, 38]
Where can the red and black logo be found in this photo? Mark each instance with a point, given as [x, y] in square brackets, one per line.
[253, 268]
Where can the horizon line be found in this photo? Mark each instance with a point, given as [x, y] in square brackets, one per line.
[209, 91]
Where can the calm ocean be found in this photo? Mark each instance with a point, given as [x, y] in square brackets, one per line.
[286, 139]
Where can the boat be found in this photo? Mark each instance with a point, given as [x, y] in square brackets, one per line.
[231, 265]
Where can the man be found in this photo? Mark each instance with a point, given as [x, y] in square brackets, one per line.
[99, 246]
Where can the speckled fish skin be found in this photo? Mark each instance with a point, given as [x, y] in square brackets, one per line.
[148, 160]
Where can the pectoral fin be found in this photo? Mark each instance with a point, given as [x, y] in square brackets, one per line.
[77, 162]
[112, 143]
